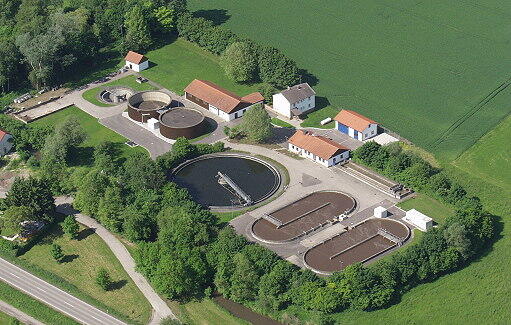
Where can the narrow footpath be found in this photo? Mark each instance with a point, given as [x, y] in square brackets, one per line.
[160, 309]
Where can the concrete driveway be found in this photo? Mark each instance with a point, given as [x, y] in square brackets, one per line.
[137, 134]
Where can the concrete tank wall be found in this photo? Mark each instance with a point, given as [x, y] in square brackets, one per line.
[141, 115]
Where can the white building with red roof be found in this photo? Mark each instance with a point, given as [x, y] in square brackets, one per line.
[319, 149]
[355, 125]
[220, 101]
[136, 62]
[6, 142]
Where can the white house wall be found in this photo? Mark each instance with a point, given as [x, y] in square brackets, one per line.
[281, 105]
[138, 67]
[370, 132]
[232, 116]
[305, 104]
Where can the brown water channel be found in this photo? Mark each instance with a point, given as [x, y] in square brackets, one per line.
[243, 312]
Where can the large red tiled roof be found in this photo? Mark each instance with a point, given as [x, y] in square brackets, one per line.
[219, 97]
[354, 120]
[135, 57]
[318, 145]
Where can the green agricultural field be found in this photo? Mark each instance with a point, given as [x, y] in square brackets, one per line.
[95, 131]
[83, 258]
[490, 157]
[436, 72]
[129, 81]
[175, 65]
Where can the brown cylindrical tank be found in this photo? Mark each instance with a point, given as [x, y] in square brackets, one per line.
[182, 122]
[145, 105]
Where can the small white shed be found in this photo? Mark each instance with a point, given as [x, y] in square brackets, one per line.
[418, 219]
[153, 123]
[136, 62]
[380, 212]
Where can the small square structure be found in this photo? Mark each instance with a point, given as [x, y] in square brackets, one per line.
[380, 212]
[136, 62]
[418, 219]
[153, 123]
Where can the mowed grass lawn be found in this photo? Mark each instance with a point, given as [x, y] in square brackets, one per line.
[96, 133]
[92, 94]
[429, 206]
[180, 62]
[419, 68]
[82, 261]
[490, 157]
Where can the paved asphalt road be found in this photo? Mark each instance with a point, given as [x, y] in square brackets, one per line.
[54, 297]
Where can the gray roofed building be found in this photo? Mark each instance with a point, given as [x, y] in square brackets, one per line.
[298, 92]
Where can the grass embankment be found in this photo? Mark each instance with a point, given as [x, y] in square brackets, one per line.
[96, 133]
[180, 62]
[420, 82]
[31, 307]
[205, 312]
[92, 94]
[278, 122]
[83, 259]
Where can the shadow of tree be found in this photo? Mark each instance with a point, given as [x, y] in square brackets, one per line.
[116, 285]
[281, 135]
[216, 16]
[69, 258]
[308, 77]
[85, 233]
[79, 156]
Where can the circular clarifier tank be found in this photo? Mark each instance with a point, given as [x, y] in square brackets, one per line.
[226, 181]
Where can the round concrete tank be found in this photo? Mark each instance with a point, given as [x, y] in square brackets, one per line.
[182, 122]
[146, 104]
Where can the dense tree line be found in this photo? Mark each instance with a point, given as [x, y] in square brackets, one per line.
[45, 42]
[243, 59]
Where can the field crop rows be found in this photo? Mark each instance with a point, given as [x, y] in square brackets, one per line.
[423, 69]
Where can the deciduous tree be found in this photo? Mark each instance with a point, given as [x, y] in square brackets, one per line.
[256, 124]
[138, 36]
[34, 194]
[56, 252]
[71, 227]
[239, 62]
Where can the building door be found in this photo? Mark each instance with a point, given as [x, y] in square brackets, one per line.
[343, 128]
[355, 134]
